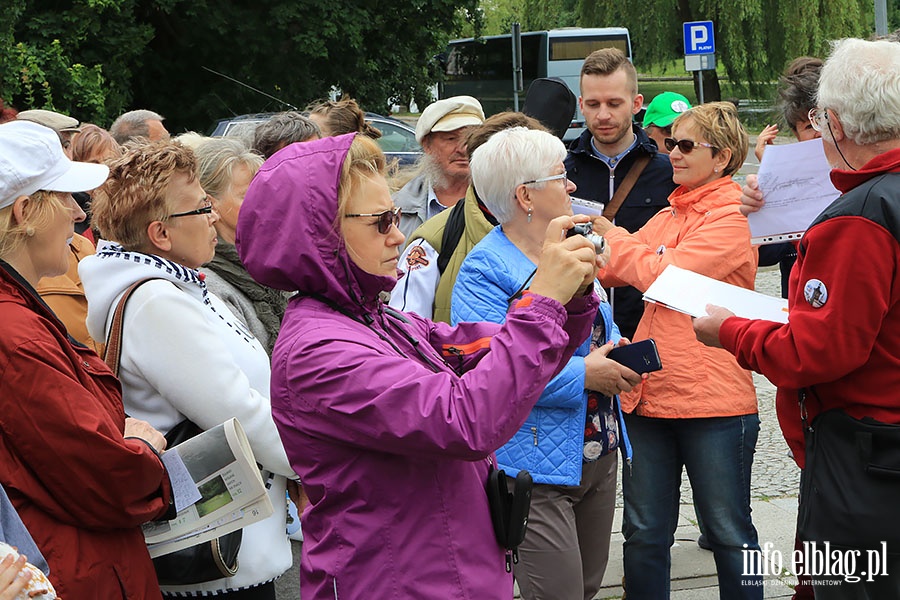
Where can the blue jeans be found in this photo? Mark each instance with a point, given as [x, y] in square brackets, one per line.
[718, 455]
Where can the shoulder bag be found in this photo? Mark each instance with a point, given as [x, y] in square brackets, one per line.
[207, 561]
[850, 486]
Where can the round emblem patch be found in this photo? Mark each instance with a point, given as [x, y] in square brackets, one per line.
[815, 293]
[679, 106]
[592, 451]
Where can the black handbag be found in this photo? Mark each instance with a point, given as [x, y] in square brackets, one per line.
[206, 561]
[850, 487]
[509, 510]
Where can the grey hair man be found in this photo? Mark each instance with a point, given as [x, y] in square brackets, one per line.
[443, 175]
[139, 123]
[846, 283]
[284, 129]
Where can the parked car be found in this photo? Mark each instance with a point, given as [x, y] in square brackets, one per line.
[397, 141]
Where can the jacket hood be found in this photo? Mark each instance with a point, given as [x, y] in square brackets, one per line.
[881, 164]
[287, 235]
[108, 273]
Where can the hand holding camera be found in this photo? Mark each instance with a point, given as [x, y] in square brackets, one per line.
[568, 263]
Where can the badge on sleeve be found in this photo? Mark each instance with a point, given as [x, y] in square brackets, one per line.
[815, 293]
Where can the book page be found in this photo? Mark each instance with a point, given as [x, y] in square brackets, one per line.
[689, 292]
[220, 463]
[795, 182]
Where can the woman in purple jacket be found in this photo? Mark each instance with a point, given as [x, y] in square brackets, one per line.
[391, 420]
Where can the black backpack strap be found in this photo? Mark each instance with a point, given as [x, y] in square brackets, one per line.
[453, 230]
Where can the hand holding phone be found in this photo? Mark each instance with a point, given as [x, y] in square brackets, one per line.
[641, 357]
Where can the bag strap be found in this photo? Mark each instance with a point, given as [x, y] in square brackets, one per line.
[625, 187]
[453, 231]
[114, 339]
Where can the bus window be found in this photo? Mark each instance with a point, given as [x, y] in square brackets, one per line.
[578, 48]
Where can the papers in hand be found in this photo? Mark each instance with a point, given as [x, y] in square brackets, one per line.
[221, 490]
[796, 187]
[581, 206]
[689, 292]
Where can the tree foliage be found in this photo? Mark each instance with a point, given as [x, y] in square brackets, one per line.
[755, 39]
[96, 58]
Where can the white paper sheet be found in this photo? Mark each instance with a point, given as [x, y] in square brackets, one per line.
[689, 292]
[581, 206]
[795, 185]
[184, 489]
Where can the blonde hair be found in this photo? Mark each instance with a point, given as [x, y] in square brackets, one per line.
[42, 209]
[136, 192]
[364, 159]
[344, 116]
[718, 122]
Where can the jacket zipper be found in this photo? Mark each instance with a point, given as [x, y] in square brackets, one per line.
[534, 433]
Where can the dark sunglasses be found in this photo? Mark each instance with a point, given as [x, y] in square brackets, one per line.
[206, 209]
[686, 146]
[385, 219]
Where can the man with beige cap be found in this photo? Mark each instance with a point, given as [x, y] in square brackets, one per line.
[443, 171]
[64, 125]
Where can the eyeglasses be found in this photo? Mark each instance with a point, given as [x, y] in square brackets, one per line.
[815, 116]
[206, 209]
[385, 219]
[563, 176]
[686, 146]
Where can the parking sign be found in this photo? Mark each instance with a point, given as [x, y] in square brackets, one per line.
[698, 38]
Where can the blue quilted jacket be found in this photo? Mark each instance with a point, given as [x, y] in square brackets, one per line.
[549, 445]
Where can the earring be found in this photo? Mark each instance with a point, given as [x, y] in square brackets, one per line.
[530, 210]
[29, 231]
[716, 170]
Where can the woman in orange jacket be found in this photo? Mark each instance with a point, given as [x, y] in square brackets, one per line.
[700, 411]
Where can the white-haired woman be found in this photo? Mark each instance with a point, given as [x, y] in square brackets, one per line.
[570, 439]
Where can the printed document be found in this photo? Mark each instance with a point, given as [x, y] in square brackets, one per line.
[689, 292]
[795, 185]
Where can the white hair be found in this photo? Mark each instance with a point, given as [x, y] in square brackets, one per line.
[508, 159]
[860, 82]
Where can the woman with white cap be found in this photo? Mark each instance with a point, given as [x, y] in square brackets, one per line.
[81, 475]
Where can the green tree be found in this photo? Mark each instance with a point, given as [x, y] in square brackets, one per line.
[378, 52]
[73, 57]
[755, 39]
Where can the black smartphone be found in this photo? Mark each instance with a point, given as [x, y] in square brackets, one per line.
[640, 357]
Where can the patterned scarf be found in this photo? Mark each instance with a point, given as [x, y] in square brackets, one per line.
[269, 304]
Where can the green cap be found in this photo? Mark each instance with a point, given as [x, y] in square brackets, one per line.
[664, 108]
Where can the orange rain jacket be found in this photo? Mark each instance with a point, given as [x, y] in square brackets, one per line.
[702, 231]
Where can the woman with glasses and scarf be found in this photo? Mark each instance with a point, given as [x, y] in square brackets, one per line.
[391, 420]
[699, 413]
[184, 355]
[569, 442]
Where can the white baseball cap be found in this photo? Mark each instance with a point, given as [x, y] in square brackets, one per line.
[32, 159]
[449, 114]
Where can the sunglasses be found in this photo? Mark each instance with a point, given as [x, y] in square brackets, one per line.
[686, 146]
[206, 209]
[385, 219]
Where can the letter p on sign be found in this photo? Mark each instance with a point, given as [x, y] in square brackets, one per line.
[698, 38]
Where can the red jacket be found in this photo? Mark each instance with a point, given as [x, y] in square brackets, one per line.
[849, 347]
[81, 489]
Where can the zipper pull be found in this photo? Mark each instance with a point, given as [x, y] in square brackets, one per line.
[534, 433]
[509, 560]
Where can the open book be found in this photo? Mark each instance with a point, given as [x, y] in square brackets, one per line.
[217, 489]
[689, 292]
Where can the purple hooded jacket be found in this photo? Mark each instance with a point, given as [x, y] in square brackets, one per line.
[393, 452]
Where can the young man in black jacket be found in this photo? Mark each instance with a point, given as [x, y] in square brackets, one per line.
[599, 160]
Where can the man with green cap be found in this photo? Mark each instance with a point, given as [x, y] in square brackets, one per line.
[660, 114]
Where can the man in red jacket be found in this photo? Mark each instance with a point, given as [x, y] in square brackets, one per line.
[844, 293]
